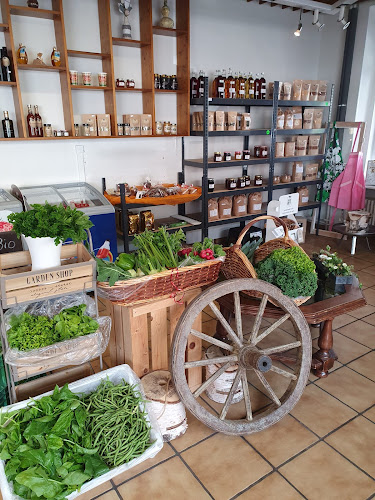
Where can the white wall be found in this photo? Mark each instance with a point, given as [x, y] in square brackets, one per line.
[245, 36]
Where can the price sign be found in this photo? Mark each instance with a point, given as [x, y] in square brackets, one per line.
[288, 204]
[9, 242]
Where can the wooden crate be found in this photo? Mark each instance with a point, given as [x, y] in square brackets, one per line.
[142, 334]
[19, 284]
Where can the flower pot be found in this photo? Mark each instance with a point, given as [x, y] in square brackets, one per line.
[337, 283]
[44, 253]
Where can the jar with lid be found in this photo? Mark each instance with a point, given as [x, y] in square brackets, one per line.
[286, 178]
[167, 128]
[173, 83]
[57, 133]
[257, 151]
[218, 157]
[120, 83]
[157, 81]
[264, 151]
[65, 133]
[174, 129]
[130, 84]
[258, 180]
[227, 156]
[211, 185]
[276, 179]
[247, 180]
[164, 82]
[159, 128]
[238, 155]
[86, 129]
[230, 183]
[241, 182]
[47, 130]
[120, 129]
[127, 130]
[246, 154]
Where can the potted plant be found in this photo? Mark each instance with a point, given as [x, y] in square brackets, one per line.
[333, 270]
[45, 228]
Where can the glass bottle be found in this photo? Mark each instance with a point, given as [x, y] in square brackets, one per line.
[8, 126]
[55, 57]
[22, 57]
[194, 85]
[228, 81]
[201, 84]
[247, 86]
[251, 87]
[241, 86]
[5, 66]
[38, 122]
[257, 86]
[263, 89]
[215, 84]
[221, 84]
[236, 85]
[31, 124]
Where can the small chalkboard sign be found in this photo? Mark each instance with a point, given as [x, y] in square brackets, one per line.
[9, 242]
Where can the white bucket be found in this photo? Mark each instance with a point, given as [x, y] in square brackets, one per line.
[44, 253]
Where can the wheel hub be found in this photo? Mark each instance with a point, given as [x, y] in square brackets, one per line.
[251, 357]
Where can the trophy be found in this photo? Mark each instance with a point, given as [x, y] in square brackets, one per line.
[125, 8]
[166, 21]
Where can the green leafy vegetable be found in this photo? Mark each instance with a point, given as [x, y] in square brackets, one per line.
[126, 261]
[291, 270]
[249, 248]
[111, 272]
[33, 332]
[52, 221]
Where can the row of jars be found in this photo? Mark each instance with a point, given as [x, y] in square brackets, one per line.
[259, 152]
[165, 82]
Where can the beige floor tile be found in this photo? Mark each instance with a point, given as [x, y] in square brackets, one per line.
[164, 453]
[370, 319]
[363, 311]
[196, 432]
[349, 387]
[282, 441]
[361, 332]
[225, 465]
[103, 488]
[320, 412]
[315, 332]
[370, 270]
[367, 279]
[370, 414]
[345, 348]
[342, 320]
[356, 440]
[273, 487]
[365, 365]
[111, 495]
[322, 473]
[169, 480]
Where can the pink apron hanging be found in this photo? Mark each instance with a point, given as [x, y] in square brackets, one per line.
[348, 190]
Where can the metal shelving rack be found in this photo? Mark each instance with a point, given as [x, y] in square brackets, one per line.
[205, 163]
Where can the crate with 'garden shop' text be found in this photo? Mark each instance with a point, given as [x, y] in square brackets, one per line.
[18, 284]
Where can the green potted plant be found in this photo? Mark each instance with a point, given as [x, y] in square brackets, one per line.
[333, 270]
[45, 228]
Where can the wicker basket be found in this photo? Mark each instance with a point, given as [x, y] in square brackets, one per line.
[164, 284]
[237, 265]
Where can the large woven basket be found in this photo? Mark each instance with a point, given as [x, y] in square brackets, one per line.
[164, 284]
[237, 265]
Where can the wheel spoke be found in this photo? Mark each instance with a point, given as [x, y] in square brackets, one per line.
[268, 387]
[212, 340]
[229, 399]
[225, 324]
[258, 318]
[211, 361]
[272, 328]
[246, 395]
[280, 348]
[209, 381]
[237, 309]
[284, 373]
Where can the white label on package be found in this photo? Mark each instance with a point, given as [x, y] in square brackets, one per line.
[227, 211]
[242, 208]
[299, 169]
[257, 206]
[305, 199]
[288, 204]
[213, 213]
[278, 232]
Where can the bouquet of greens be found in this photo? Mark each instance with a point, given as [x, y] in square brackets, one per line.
[332, 263]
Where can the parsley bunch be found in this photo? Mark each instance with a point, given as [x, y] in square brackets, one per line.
[51, 221]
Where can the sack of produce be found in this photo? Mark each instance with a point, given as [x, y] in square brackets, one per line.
[56, 332]
[81, 436]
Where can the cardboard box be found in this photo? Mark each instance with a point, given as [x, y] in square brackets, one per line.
[104, 125]
[91, 120]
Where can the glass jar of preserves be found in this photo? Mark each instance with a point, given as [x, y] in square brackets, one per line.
[159, 128]
[218, 157]
[47, 130]
[230, 183]
[167, 128]
[173, 82]
[120, 83]
[211, 185]
[157, 81]
[127, 130]
[227, 156]
[174, 129]
[276, 179]
[130, 84]
[264, 151]
[257, 151]
[247, 180]
[238, 155]
[76, 130]
[241, 182]
[86, 129]
[120, 129]
[258, 180]
[246, 154]
[164, 82]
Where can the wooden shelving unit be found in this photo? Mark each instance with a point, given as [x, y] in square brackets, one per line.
[107, 42]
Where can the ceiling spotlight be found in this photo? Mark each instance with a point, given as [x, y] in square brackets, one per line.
[316, 21]
[341, 18]
[299, 29]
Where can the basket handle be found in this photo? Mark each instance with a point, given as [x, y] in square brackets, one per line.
[251, 223]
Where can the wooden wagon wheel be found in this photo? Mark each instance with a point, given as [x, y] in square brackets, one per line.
[243, 351]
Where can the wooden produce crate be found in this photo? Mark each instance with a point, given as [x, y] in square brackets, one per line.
[18, 284]
[142, 335]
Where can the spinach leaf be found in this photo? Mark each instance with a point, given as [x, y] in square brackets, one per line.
[39, 485]
[76, 478]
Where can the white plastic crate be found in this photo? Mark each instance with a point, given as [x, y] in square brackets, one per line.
[86, 386]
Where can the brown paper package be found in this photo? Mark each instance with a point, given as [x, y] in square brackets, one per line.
[146, 124]
[239, 207]
[220, 121]
[91, 121]
[104, 125]
[213, 209]
[225, 207]
[255, 203]
[297, 174]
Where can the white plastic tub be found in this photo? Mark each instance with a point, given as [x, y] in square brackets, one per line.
[86, 386]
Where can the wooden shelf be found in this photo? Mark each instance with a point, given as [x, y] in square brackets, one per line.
[8, 84]
[168, 91]
[19, 10]
[4, 27]
[35, 67]
[158, 30]
[126, 42]
[87, 55]
[83, 137]
[135, 89]
[89, 87]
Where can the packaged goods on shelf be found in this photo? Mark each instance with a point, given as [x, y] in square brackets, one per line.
[225, 207]
[297, 90]
[146, 124]
[287, 91]
[297, 117]
[280, 119]
[311, 171]
[303, 195]
[317, 118]
[245, 121]
[297, 174]
[322, 93]
[231, 119]
[290, 148]
[313, 145]
[104, 125]
[133, 223]
[305, 95]
[280, 149]
[211, 121]
[289, 122]
[239, 207]
[301, 146]
[90, 120]
[308, 115]
[314, 90]
[220, 121]
[213, 209]
[255, 203]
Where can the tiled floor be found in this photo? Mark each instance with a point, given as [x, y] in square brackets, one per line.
[325, 449]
